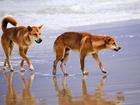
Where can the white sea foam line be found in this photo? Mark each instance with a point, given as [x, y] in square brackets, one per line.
[52, 37]
[129, 36]
[64, 21]
[46, 75]
[43, 74]
[36, 73]
[132, 92]
[75, 4]
[50, 75]
[94, 12]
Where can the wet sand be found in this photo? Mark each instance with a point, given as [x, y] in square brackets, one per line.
[120, 87]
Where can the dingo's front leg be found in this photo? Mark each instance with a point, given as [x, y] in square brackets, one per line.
[23, 55]
[82, 60]
[96, 57]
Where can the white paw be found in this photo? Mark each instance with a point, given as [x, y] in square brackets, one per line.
[85, 72]
[31, 68]
[104, 71]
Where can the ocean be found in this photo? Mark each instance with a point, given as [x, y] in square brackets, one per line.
[60, 14]
[118, 18]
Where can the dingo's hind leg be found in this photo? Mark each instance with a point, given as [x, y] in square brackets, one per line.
[59, 50]
[7, 46]
[64, 60]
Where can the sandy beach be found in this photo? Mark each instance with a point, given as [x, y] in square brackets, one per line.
[120, 87]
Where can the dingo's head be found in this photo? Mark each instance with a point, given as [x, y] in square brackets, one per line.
[111, 43]
[35, 33]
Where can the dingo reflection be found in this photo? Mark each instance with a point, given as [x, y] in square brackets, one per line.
[65, 96]
[23, 98]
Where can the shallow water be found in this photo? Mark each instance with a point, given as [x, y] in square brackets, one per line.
[72, 90]
[120, 87]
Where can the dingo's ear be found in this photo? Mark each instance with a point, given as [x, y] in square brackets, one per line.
[29, 28]
[108, 39]
[40, 26]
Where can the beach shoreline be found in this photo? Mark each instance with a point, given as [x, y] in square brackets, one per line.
[122, 82]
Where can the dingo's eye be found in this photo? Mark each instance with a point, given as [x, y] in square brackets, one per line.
[35, 34]
[114, 43]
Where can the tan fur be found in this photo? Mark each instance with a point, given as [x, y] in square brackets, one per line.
[21, 35]
[83, 42]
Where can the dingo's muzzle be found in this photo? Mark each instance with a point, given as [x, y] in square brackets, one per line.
[38, 40]
[117, 49]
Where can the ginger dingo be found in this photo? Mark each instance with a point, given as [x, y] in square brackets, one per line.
[21, 35]
[85, 43]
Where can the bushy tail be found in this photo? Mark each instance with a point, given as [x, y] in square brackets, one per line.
[6, 20]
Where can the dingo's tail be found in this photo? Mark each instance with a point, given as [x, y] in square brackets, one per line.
[6, 20]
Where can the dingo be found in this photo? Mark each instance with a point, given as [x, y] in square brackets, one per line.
[85, 43]
[22, 36]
